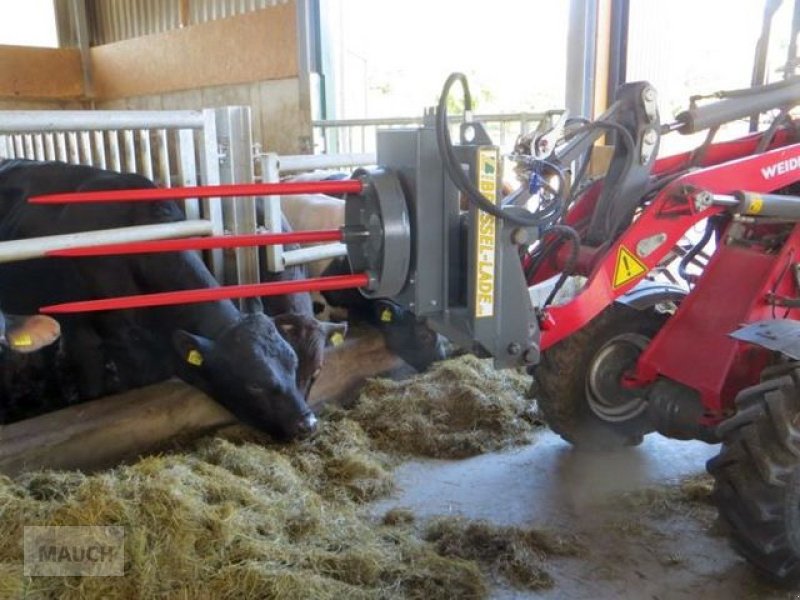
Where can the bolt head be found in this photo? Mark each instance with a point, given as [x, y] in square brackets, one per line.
[530, 356]
[519, 236]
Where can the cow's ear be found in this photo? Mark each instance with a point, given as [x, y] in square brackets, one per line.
[253, 305]
[334, 332]
[193, 349]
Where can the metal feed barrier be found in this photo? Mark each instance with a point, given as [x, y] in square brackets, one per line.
[271, 166]
[173, 148]
[357, 136]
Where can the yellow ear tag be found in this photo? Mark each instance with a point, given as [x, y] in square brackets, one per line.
[386, 315]
[21, 340]
[194, 358]
[337, 339]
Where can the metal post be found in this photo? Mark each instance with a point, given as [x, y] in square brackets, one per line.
[271, 205]
[236, 166]
[618, 54]
[210, 171]
[81, 24]
[308, 62]
[581, 57]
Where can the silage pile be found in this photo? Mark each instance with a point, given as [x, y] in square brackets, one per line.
[237, 517]
[459, 408]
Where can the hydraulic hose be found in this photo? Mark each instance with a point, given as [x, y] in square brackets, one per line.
[694, 251]
[460, 179]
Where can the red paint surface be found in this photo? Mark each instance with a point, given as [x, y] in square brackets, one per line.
[349, 186]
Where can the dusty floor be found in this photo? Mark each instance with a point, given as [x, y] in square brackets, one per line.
[634, 550]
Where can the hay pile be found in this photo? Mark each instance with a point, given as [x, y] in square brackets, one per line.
[510, 553]
[689, 496]
[459, 408]
[236, 520]
[235, 516]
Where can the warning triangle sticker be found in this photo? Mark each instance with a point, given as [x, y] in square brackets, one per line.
[628, 267]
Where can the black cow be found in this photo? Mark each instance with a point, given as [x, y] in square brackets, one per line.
[406, 335]
[240, 360]
[294, 316]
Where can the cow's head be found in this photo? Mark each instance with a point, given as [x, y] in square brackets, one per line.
[250, 369]
[308, 337]
[409, 336]
[27, 334]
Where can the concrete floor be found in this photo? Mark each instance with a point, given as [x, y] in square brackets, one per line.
[550, 486]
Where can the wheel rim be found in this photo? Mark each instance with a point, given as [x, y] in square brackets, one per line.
[606, 396]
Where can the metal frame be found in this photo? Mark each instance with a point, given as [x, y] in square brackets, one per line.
[271, 167]
[581, 57]
[722, 174]
[171, 147]
[337, 136]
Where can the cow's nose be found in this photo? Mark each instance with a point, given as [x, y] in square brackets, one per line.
[307, 425]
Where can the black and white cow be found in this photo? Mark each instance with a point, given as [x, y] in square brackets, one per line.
[240, 360]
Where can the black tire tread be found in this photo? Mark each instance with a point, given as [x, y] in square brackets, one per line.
[561, 377]
[757, 478]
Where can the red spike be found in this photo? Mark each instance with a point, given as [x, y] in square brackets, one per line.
[347, 186]
[319, 284]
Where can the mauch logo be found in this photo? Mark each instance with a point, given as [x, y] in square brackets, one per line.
[781, 168]
[70, 551]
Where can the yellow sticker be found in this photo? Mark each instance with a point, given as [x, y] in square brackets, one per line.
[386, 315]
[21, 340]
[337, 339]
[756, 204]
[486, 236]
[628, 267]
[194, 358]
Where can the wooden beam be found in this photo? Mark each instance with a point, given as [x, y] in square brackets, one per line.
[183, 13]
[256, 46]
[104, 432]
[40, 73]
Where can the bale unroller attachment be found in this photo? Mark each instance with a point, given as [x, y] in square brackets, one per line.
[376, 233]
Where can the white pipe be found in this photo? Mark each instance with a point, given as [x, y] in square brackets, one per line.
[309, 162]
[313, 253]
[25, 249]
[47, 121]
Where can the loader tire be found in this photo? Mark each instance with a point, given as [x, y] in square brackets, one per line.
[562, 380]
[757, 477]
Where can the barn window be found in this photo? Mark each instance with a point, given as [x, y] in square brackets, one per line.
[28, 23]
